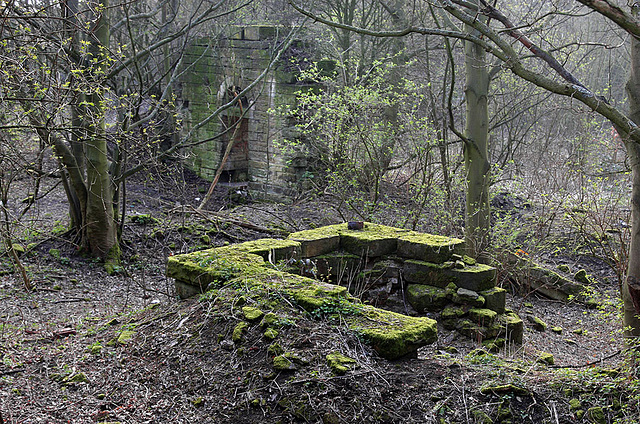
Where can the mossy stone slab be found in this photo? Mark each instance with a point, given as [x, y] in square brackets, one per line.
[475, 277]
[482, 316]
[200, 269]
[429, 247]
[545, 281]
[318, 241]
[372, 241]
[495, 299]
[427, 298]
[393, 335]
[472, 277]
[428, 273]
[340, 363]
[468, 297]
[315, 295]
[269, 249]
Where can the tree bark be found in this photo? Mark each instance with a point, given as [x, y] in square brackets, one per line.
[476, 160]
[100, 229]
[631, 287]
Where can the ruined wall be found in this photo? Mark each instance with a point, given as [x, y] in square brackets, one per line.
[214, 68]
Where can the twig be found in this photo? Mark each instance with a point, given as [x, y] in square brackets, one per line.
[206, 215]
[328, 379]
[74, 299]
[589, 363]
[3, 373]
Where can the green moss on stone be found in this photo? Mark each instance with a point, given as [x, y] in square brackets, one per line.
[372, 241]
[340, 364]
[77, 378]
[545, 358]
[238, 332]
[427, 298]
[270, 333]
[318, 241]
[252, 314]
[144, 219]
[393, 335]
[575, 404]
[272, 250]
[513, 327]
[596, 415]
[495, 299]
[474, 277]
[429, 247]
[126, 336]
[269, 320]
[200, 269]
[275, 349]
[494, 345]
[482, 316]
[427, 273]
[537, 323]
[282, 363]
[314, 296]
[452, 312]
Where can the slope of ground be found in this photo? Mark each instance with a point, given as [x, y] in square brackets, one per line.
[90, 347]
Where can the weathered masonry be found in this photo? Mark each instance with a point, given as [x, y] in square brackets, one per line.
[215, 71]
[428, 270]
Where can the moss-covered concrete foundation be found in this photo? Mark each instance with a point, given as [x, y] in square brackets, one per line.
[322, 269]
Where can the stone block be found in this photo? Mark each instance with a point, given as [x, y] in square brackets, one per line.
[472, 277]
[495, 299]
[318, 241]
[200, 269]
[393, 335]
[482, 316]
[453, 312]
[475, 277]
[372, 241]
[513, 326]
[428, 273]
[427, 298]
[272, 250]
[464, 296]
[470, 329]
[428, 247]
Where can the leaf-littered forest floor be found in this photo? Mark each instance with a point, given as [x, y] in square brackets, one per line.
[89, 347]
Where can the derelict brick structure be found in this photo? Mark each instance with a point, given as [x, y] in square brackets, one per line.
[216, 69]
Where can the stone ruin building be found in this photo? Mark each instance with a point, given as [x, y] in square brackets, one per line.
[216, 69]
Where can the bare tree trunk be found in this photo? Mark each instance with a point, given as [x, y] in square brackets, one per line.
[477, 212]
[631, 287]
[101, 229]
